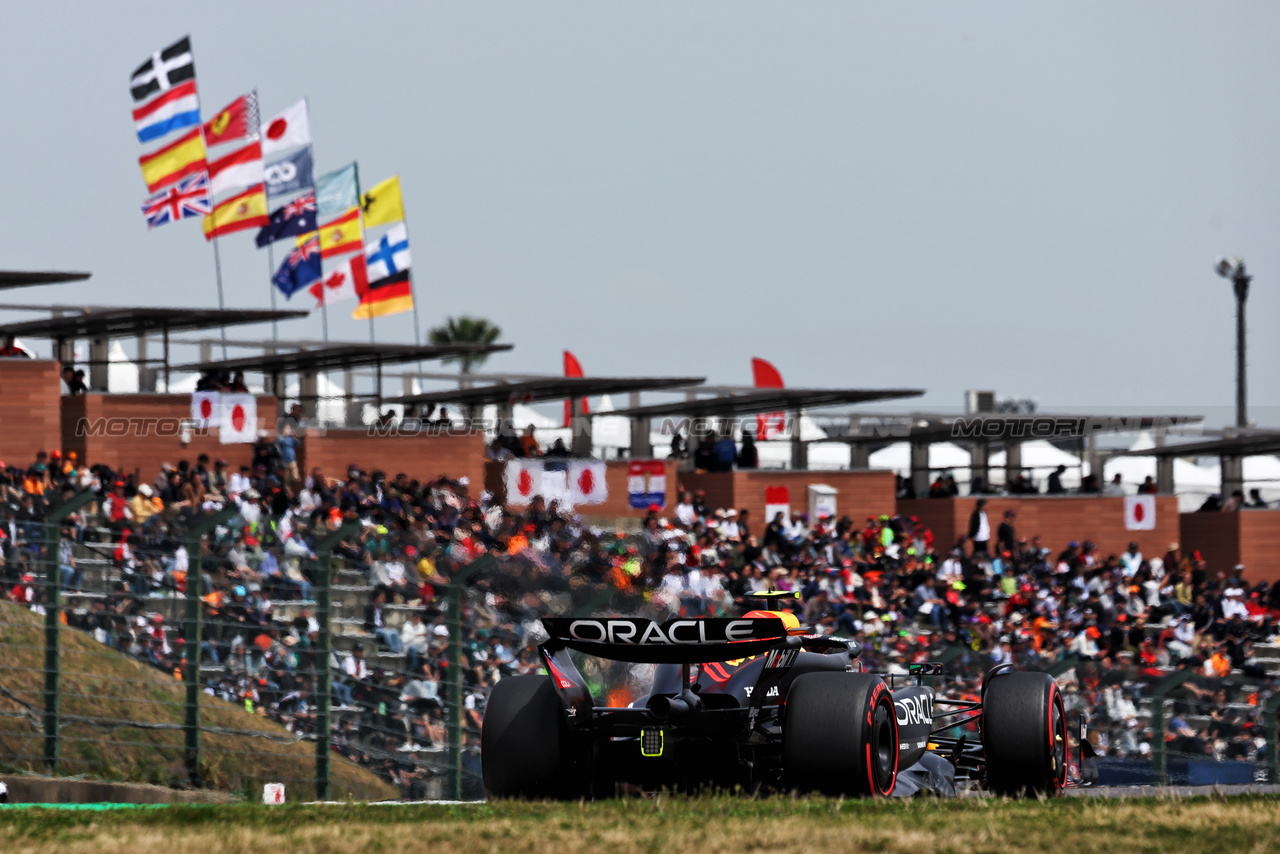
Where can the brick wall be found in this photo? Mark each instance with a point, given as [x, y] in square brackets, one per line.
[423, 457]
[141, 431]
[1250, 537]
[31, 416]
[1057, 520]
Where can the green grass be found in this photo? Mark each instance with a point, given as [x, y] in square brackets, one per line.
[103, 684]
[1205, 825]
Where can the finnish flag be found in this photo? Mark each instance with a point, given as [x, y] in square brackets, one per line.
[390, 255]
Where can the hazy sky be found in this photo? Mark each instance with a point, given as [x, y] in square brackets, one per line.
[1016, 196]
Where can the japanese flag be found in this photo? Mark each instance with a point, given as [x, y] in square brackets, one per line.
[239, 422]
[523, 480]
[1139, 512]
[205, 407]
[587, 482]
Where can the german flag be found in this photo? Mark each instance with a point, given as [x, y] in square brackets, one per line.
[390, 295]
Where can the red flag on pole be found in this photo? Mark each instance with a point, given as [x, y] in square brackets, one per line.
[572, 369]
[765, 375]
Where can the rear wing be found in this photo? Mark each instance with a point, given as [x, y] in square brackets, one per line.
[643, 641]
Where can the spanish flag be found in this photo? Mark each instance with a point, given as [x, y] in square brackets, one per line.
[177, 160]
[382, 204]
[247, 210]
[390, 295]
[338, 236]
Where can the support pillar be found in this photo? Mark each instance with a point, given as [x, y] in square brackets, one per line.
[1164, 475]
[308, 388]
[1232, 475]
[1012, 462]
[859, 455]
[146, 373]
[799, 450]
[920, 468]
[641, 445]
[351, 409]
[99, 352]
[980, 454]
[581, 442]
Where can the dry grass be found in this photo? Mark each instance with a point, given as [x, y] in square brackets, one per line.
[706, 825]
[106, 685]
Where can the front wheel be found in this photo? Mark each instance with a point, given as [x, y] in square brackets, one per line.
[840, 735]
[1024, 735]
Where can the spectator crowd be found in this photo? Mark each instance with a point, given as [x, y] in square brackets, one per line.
[1115, 623]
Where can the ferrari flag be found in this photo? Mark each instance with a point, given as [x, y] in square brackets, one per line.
[382, 204]
[237, 120]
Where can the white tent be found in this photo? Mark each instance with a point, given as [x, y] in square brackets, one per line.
[1192, 483]
[942, 456]
[122, 374]
[1041, 458]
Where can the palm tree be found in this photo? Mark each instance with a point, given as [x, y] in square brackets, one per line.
[465, 330]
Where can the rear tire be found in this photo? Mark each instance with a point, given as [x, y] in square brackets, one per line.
[525, 741]
[1024, 735]
[840, 735]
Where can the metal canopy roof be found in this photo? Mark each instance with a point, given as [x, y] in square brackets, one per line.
[337, 357]
[768, 400]
[545, 388]
[25, 278]
[926, 428]
[1236, 446]
[131, 322]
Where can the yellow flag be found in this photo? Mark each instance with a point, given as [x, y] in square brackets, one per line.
[382, 203]
[338, 236]
[180, 158]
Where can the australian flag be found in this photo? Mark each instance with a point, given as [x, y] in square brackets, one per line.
[300, 269]
[297, 217]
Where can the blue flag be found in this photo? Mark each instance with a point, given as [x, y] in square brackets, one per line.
[289, 175]
[297, 217]
[300, 269]
[336, 192]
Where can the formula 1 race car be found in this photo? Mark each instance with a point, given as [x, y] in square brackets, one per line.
[769, 709]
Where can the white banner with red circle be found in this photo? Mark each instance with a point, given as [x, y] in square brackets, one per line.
[206, 409]
[1139, 512]
[239, 421]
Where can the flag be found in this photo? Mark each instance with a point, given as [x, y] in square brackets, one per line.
[164, 70]
[646, 484]
[522, 479]
[390, 255]
[177, 108]
[383, 297]
[1139, 512]
[288, 129]
[296, 218]
[291, 174]
[382, 204]
[336, 192]
[240, 168]
[187, 198]
[572, 368]
[180, 158]
[339, 235]
[347, 281]
[587, 482]
[247, 210]
[238, 422]
[237, 120]
[300, 268]
[205, 409]
[769, 425]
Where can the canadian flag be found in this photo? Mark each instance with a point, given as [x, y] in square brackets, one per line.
[523, 480]
[205, 406]
[587, 482]
[1139, 512]
[239, 422]
[346, 281]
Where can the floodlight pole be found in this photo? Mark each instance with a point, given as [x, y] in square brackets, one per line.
[1240, 284]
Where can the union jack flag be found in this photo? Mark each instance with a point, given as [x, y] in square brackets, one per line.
[304, 252]
[189, 197]
[300, 205]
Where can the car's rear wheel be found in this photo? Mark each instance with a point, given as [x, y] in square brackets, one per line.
[525, 743]
[1024, 735]
[840, 735]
